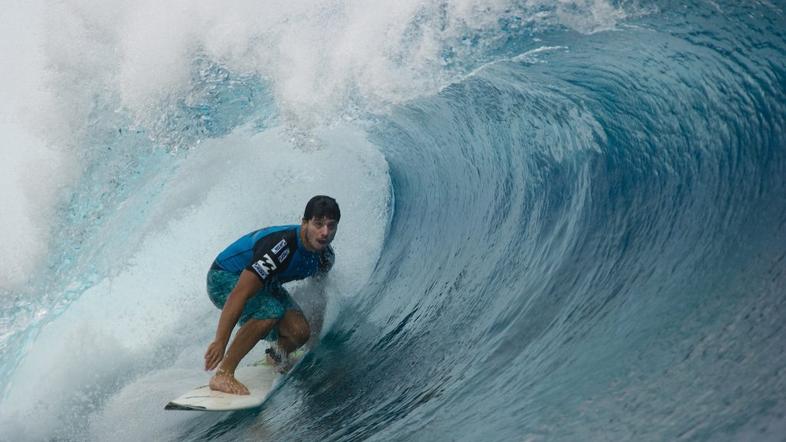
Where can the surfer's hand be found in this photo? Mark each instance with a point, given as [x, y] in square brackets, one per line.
[213, 355]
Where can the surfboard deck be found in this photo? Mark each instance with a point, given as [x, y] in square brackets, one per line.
[259, 379]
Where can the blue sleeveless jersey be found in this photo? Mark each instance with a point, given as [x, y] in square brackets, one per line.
[274, 254]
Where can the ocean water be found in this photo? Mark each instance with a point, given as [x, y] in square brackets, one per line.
[562, 220]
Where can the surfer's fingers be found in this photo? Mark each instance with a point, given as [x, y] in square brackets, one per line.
[212, 362]
[212, 358]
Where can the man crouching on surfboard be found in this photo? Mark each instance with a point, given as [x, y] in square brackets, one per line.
[245, 283]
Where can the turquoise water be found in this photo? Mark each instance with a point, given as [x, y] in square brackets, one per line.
[569, 225]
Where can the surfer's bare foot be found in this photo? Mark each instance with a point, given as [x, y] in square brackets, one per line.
[227, 383]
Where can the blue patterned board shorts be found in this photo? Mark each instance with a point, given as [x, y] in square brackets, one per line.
[268, 303]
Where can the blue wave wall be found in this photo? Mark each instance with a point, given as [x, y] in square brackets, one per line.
[589, 245]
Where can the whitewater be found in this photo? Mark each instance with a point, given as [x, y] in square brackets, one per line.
[561, 220]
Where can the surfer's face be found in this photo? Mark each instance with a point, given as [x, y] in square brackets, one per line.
[318, 233]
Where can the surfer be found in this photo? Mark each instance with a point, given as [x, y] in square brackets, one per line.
[245, 281]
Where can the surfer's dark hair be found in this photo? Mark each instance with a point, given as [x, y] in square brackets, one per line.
[322, 206]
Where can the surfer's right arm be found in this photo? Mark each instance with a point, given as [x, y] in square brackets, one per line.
[246, 287]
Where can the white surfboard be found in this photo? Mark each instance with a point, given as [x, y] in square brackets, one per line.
[259, 379]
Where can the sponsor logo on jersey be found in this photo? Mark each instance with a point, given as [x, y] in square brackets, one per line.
[283, 256]
[264, 266]
[277, 248]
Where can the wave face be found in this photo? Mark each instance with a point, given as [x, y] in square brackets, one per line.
[578, 234]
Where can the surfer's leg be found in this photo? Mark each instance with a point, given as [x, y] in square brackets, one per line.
[293, 331]
[246, 338]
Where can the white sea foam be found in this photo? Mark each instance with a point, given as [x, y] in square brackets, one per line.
[138, 320]
[32, 170]
[321, 57]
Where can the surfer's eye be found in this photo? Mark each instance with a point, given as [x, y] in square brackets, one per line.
[320, 223]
